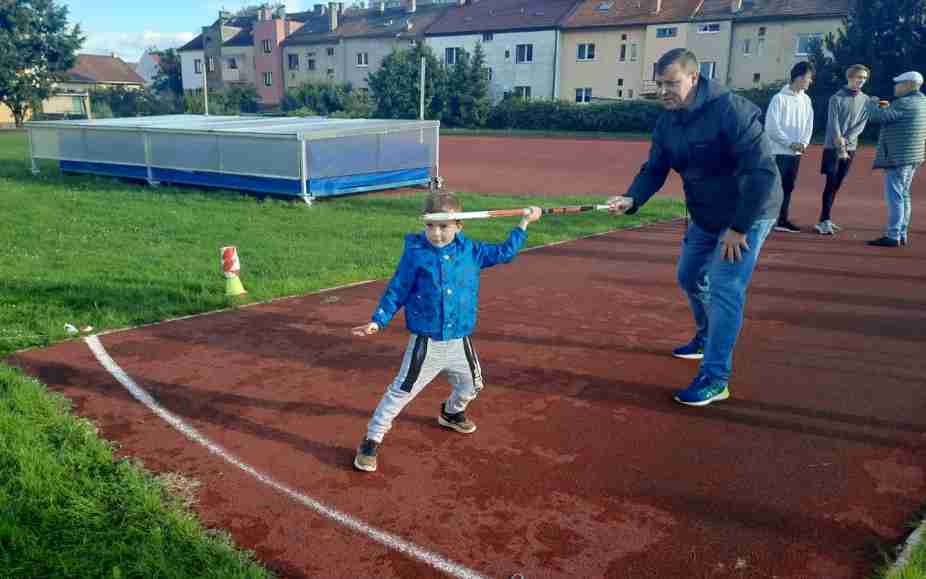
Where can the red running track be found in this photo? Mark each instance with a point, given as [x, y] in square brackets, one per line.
[582, 465]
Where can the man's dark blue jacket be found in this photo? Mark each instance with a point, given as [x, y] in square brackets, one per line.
[719, 147]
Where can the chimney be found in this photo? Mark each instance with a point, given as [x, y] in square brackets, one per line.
[340, 8]
[736, 6]
[332, 16]
[412, 5]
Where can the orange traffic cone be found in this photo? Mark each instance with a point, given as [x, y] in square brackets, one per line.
[231, 267]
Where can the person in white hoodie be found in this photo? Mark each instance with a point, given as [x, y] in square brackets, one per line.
[789, 126]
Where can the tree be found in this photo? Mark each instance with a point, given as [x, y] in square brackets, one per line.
[168, 79]
[889, 36]
[36, 47]
[395, 85]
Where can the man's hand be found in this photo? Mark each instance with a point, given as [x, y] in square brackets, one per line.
[534, 215]
[839, 141]
[733, 245]
[797, 147]
[366, 329]
[620, 204]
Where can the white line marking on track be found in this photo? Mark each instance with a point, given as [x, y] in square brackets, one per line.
[382, 537]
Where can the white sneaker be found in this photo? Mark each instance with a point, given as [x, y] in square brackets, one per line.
[833, 227]
[823, 228]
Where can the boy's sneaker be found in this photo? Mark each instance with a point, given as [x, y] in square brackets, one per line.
[833, 226]
[456, 421]
[366, 455]
[787, 227]
[824, 228]
[693, 350]
[702, 391]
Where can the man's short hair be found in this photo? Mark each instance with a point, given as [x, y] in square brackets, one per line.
[800, 69]
[857, 68]
[684, 57]
[442, 202]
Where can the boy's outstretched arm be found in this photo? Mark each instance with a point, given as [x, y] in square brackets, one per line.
[494, 253]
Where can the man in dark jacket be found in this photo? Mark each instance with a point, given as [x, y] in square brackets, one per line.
[716, 141]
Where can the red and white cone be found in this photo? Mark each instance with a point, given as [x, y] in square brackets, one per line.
[231, 268]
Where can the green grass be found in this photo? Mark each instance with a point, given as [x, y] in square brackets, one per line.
[68, 509]
[100, 252]
[916, 565]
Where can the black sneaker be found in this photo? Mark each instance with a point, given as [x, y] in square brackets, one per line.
[884, 242]
[456, 421]
[366, 455]
[787, 227]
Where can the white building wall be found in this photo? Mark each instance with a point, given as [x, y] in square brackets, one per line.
[191, 79]
[500, 53]
[147, 68]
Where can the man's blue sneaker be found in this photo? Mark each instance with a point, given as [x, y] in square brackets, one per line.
[702, 391]
[693, 350]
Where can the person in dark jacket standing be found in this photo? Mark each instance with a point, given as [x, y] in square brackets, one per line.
[900, 152]
[716, 141]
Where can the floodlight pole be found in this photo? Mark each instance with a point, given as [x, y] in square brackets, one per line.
[205, 86]
[421, 89]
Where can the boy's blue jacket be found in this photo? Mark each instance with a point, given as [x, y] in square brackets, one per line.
[439, 287]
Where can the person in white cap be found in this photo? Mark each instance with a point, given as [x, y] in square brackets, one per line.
[901, 150]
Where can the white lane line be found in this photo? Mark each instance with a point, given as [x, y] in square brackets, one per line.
[382, 537]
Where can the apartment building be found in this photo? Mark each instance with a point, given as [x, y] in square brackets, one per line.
[610, 47]
[345, 46]
[520, 38]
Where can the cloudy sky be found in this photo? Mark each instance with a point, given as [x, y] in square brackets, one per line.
[128, 28]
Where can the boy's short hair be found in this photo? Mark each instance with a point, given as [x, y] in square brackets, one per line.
[857, 68]
[442, 202]
[802, 68]
[684, 57]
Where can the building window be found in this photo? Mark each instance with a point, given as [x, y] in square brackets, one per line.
[747, 46]
[210, 64]
[198, 66]
[524, 53]
[761, 31]
[487, 37]
[330, 73]
[452, 55]
[633, 52]
[707, 69]
[804, 42]
[760, 46]
[363, 59]
[622, 56]
[712, 28]
[268, 78]
[756, 77]
[667, 32]
[583, 95]
[310, 64]
[330, 51]
[232, 63]
[293, 60]
[585, 52]
[620, 82]
[267, 47]
[489, 73]
[522, 92]
[623, 37]
[630, 93]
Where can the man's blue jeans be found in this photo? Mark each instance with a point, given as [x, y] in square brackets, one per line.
[716, 291]
[897, 183]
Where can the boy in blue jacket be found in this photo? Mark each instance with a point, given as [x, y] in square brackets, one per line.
[437, 280]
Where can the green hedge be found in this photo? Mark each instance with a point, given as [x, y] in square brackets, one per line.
[629, 116]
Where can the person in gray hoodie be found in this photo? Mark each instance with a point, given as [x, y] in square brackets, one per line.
[716, 141]
[901, 151]
[846, 118]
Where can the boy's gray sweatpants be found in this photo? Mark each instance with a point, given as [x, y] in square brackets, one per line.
[424, 360]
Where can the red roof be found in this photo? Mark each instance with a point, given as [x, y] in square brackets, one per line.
[774, 9]
[498, 15]
[591, 13]
[95, 68]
